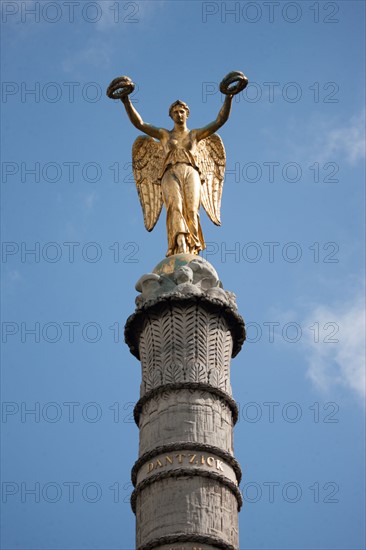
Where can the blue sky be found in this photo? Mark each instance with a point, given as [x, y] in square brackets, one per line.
[291, 247]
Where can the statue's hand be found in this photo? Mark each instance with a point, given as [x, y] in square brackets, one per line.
[120, 87]
[233, 83]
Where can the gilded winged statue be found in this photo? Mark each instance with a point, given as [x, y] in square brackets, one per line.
[180, 168]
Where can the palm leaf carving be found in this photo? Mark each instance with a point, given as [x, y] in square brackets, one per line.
[198, 373]
[173, 373]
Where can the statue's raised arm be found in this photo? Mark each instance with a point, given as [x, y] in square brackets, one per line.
[232, 84]
[120, 88]
[183, 169]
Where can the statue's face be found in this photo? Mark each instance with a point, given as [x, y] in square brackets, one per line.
[179, 114]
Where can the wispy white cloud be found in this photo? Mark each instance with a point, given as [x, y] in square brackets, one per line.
[88, 201]
[102, 15]
[96, 54]
[347, 141]
[332, 338]
[325, 139]
[112, 15]
[115, 27]
[76, 228]
[11, 280]
[14, 275]
[337, 356]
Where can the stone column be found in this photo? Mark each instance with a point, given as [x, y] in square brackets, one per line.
[184, 331]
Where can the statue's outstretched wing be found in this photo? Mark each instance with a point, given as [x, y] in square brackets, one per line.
[147, 163]
[211, 160]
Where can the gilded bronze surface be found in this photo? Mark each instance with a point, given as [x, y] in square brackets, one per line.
[180, 168]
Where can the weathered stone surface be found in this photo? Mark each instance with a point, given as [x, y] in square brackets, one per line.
[185, 343]
[187, 505]
[186, 416]
[194, 283]
[186, 275]
[188, 458]
[185, 330]
[186, 546]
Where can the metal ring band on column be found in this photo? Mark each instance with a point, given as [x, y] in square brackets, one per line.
[187, 537]
[182, 446]
[184, 472]
[196, 386]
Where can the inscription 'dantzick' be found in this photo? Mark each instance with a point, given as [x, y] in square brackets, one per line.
[186, 459]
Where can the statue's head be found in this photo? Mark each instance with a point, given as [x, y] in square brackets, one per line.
[178, 103]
